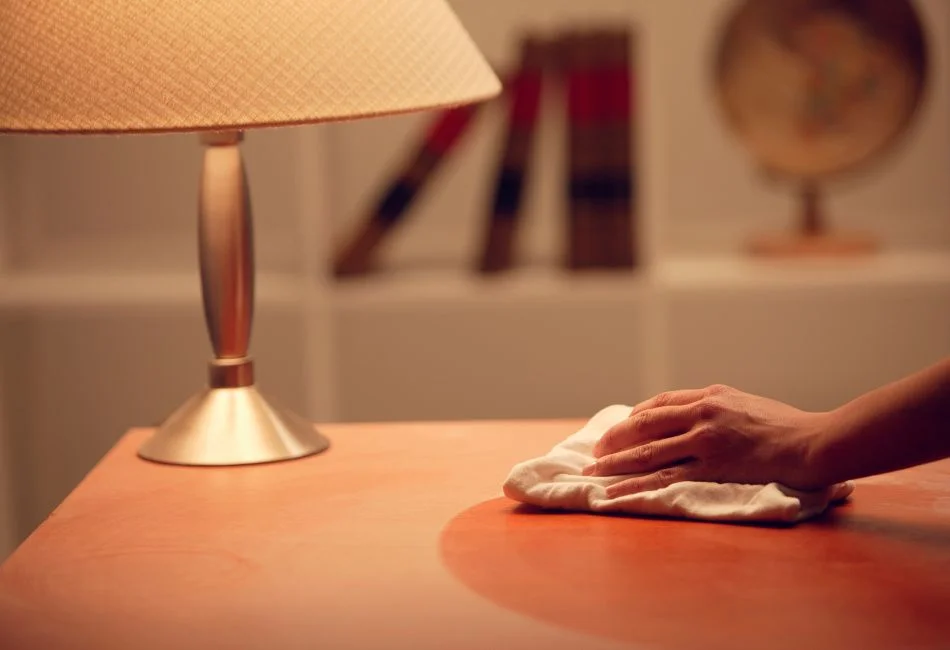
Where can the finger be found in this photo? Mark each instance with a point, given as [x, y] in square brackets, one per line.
[670, 398]
[655, 481]
[650, 457]
[661, 422]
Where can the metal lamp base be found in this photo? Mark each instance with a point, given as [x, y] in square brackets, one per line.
[231, 426]
[230, 423]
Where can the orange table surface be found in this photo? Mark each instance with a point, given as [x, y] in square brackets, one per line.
[399, 537]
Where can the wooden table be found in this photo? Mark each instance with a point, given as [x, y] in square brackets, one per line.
[398, 537]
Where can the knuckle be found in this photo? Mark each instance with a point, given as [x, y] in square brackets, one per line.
[637, 485]
[717, 389]
[715, 443]
[614, 439]
[708, 409]
[614, 436]
[606, 442]
[666, 476]
[663, 399]
[630, 486]
[706, 436]
[642, 456]
[641, 420]
[626, 462]
[605, 466]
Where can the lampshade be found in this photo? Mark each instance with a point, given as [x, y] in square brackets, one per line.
[172, 65]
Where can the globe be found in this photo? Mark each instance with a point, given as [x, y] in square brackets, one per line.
[815, 90]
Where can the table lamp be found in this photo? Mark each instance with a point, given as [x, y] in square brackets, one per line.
[219, 67]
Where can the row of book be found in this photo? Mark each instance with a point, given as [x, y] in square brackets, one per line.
[593, 71]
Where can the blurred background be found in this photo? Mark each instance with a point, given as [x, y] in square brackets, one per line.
[101, 327]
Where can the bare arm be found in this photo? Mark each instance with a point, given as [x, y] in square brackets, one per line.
[722, 434]
[901, 424]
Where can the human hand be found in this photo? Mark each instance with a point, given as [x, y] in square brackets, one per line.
[717, 434]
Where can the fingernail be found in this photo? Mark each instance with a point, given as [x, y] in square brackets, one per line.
[589, 470]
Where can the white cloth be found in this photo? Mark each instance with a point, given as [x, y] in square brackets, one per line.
[554, 481]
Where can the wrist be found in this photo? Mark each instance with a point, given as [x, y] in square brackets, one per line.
[810, 448]
[827, 450]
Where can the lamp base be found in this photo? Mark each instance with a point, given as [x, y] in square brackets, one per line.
[231, 426]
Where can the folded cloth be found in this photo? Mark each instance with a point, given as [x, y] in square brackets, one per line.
[554, 481]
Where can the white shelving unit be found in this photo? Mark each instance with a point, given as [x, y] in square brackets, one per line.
[100, 319]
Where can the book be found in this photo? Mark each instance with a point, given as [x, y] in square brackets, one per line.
[595, 71]
[577, 59]
[440, 137]
[615, 88]
[524, 89]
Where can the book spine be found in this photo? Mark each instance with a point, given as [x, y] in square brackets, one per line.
[524, 101]
[440, 138]
[619, 171]
[581, 167]
[599, 183]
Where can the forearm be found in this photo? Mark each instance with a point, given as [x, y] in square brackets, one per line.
[896, 426]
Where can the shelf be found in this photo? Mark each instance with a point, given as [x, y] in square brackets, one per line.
[461, 287]
[464, 287]
[62, 289]
[741, 272]
[724, 272]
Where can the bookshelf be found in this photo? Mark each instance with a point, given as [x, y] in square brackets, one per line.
[101, 326]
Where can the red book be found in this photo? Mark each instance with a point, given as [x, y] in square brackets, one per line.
[577, 66]
[524, 98]
[441, 137]
[615, 88]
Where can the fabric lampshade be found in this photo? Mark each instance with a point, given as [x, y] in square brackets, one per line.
[110, 66]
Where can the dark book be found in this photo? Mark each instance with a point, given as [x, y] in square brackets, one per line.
[577, 60]
[618, 132]
[442, 135]
[599, 182]
[524, 97]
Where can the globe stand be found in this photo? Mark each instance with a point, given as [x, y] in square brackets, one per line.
[812, 238]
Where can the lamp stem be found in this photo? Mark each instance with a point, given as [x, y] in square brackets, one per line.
[812, 223]
[230, 422]
[226, 252]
